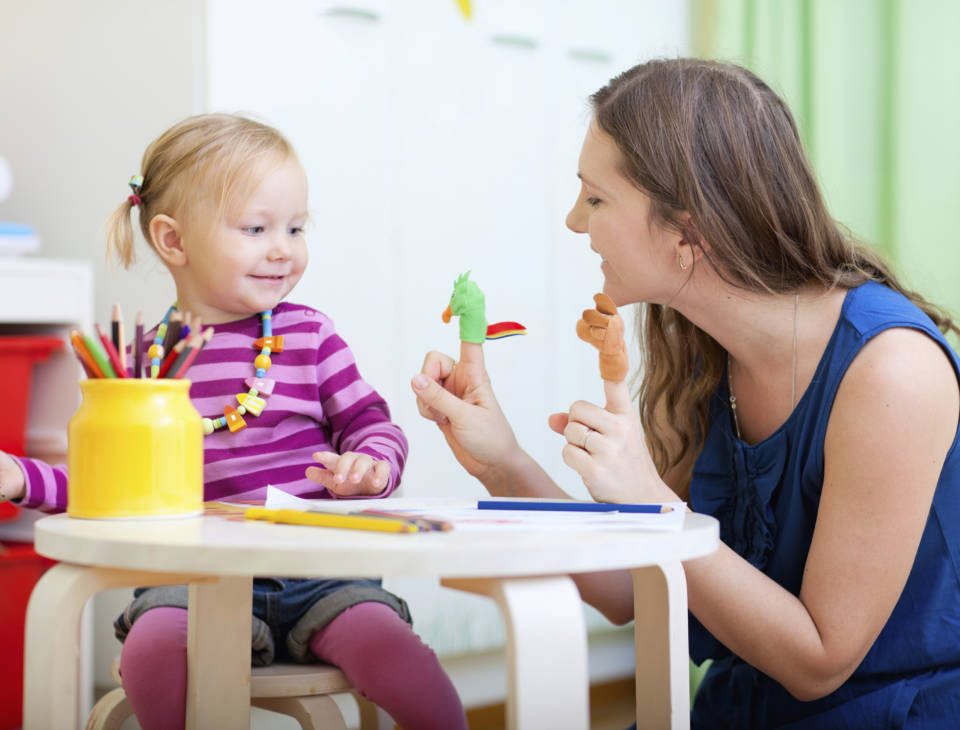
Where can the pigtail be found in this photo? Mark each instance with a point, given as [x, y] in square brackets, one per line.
[120, 235]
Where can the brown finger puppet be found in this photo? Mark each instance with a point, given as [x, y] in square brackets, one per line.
[603, 328]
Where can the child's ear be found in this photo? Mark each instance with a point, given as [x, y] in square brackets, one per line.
[165, 236]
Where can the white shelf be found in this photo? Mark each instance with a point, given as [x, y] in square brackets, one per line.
[46, 291]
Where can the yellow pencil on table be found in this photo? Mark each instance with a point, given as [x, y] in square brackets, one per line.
[331, 519]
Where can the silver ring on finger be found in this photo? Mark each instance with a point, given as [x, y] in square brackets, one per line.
[583, 441]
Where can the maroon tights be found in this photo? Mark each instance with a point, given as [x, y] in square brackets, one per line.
[375, 648]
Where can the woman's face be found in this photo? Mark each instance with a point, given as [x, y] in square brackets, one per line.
[639, 256]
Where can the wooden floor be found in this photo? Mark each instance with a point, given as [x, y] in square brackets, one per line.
[611, 708]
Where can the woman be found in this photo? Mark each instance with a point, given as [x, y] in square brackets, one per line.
[792, 388]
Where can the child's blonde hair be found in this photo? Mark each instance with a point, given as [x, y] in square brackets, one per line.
[199, 165]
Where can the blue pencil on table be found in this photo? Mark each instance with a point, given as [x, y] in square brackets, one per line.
[572, 506]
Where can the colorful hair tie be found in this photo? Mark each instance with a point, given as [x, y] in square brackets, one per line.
[136, 183]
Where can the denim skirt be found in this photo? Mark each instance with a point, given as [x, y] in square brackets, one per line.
[286, 611]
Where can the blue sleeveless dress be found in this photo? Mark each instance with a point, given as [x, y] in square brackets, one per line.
[765, 497]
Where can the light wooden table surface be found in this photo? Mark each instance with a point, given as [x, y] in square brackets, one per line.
[525, 572]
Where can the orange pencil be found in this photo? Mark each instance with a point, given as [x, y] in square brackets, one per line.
[89, 364]
[112, 353]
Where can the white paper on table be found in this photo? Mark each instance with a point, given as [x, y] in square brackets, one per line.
[464, 515]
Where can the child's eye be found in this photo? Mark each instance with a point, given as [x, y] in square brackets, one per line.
[593, 202]
[295, 231]
[253, 230]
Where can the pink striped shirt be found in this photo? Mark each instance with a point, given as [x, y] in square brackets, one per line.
[319, 403]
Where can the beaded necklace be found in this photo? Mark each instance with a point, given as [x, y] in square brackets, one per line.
[253, 401]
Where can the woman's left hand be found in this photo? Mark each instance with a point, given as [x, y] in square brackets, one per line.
[607, 448]
[350, 474]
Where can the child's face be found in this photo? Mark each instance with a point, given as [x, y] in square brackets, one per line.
[253, 256]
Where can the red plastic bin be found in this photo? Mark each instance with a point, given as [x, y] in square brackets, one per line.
[17, 357]
[20, 568]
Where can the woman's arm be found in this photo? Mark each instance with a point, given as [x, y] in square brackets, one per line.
[892, 424]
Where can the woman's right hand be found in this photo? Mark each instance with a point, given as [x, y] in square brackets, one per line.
[12, 483]
[458, 397]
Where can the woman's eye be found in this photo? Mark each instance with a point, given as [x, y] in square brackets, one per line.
[253, 229]
[593, 202]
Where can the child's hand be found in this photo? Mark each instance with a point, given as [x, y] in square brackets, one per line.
[350, 474]
[12, 483]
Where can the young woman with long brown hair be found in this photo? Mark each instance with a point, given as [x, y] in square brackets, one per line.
[791, 387]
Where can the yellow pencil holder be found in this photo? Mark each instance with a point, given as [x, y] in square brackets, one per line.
[135, 449]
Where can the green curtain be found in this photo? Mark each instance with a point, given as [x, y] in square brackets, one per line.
[875, 89]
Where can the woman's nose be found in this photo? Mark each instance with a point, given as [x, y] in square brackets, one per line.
[575, 218]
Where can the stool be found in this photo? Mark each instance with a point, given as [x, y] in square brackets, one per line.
[299, 690]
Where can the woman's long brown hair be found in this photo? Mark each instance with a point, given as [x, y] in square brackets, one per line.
[712, 141]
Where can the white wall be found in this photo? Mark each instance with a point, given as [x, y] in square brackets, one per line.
[84, 86]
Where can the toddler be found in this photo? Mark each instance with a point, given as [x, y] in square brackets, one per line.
[222, 200]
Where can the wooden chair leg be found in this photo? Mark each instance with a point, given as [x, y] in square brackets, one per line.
[110, 711]
[373, 717]
[319, 712]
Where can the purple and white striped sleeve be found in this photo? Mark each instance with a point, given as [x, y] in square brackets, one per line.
[46, 485]
[359, 418]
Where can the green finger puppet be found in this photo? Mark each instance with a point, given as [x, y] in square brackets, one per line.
[467, 303]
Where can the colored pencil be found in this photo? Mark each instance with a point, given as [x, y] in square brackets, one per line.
[112, 353]
[138, 347]
[83, 363]
[172, 335]
[98, 355]
[171, 358]
[119, 337]
[331, 519]
[89, 365]
[571, 505]
[425, 524]
[187, 327]
[186, 358]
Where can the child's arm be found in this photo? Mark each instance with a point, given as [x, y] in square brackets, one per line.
[358, 417]
[33, 483]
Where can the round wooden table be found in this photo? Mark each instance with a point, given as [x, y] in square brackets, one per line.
[525, 572]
